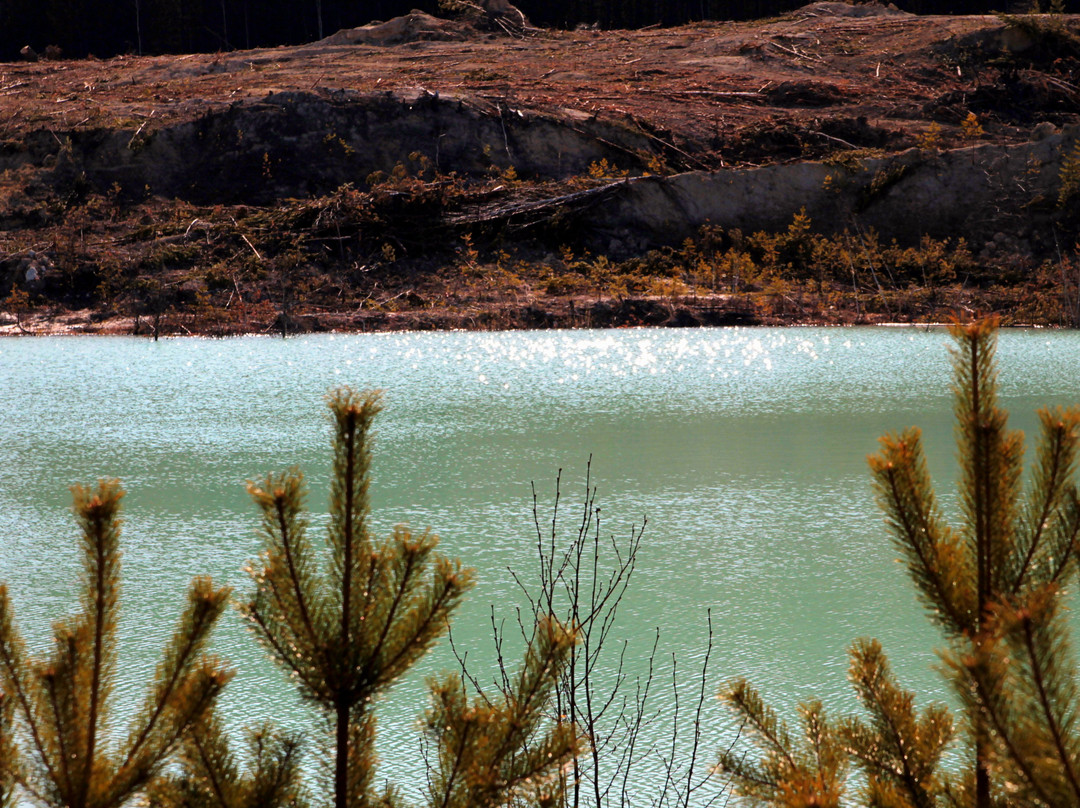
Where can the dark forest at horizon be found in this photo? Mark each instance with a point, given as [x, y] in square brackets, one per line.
[105, 28]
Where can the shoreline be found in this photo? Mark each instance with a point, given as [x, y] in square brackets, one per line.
[603, 314]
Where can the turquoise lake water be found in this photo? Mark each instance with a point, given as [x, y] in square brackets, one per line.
[744, 448]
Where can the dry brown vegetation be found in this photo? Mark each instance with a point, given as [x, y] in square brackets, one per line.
[345, 230]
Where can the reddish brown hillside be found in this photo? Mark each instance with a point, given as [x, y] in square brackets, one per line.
[189, 185]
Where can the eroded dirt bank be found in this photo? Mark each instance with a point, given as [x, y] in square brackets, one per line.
[752, 172]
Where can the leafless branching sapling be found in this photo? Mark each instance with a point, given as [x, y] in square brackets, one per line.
[582, 580]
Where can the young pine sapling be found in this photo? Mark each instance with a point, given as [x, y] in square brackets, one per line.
[65, 700]
[348, 629]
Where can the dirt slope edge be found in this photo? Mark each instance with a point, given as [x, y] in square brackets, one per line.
[296, 144]
[972, 193]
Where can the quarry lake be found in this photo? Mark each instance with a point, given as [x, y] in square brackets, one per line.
[744, 449]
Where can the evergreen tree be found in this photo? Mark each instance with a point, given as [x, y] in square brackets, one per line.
[810, 772]
[9, 753]
[995, 587]
[1023, 680]
[899, 750]
[345, 632]
[64, 701]
[503, 751]
[1000, 570]
[211, 776]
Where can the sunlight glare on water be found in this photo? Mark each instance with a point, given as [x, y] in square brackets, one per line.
[744, 448]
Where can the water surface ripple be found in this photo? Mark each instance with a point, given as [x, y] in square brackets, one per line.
[744, 448]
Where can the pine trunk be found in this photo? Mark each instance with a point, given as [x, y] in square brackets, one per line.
[341, 759]
[983, 539]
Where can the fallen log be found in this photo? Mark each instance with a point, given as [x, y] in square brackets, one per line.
[522, 215]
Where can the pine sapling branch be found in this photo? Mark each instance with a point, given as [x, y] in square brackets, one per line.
[205, 605]
[1067, 542]
[209, 769]
[747, 703]
[12, 664]
[64, 784]
[64, 699]
[1048, 711]
[1053, 471]
[9, 753]
[97, 512]
[900, 472]
[286, 503]
[1003, 731]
